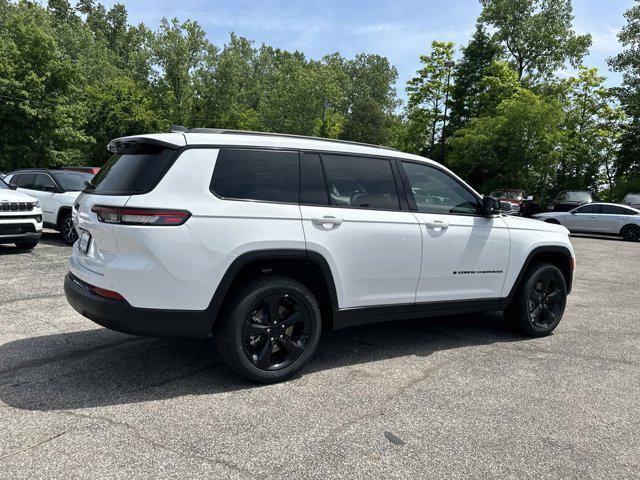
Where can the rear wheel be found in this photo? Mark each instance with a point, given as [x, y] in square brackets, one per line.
[538, 305]
[67, 230]
[269, 329]
[631, 233]
[27, 245]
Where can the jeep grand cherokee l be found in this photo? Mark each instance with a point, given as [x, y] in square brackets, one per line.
[261, 240]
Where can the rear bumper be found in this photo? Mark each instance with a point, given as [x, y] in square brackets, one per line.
[122, 317]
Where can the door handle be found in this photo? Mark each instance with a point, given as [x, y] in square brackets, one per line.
[437, 224]
[327, 220]
[593, 216]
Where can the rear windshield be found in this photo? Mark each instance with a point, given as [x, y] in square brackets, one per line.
[575, 197]
[135, 171]
[73, 181]
[631, 198]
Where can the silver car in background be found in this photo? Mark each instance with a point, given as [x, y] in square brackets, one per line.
[605, 218]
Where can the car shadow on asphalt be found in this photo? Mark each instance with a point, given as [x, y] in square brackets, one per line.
[99, 367]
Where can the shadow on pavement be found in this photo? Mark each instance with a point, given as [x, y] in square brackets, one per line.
[99, 367]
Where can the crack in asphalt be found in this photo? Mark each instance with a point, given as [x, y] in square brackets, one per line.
[37, 445]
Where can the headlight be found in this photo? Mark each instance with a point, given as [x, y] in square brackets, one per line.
[36, 204]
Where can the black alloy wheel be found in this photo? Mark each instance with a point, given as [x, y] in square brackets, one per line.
[631, 233]
[67, 230]
[539, 302]
[268, 328]
[546, 301]
[276, 331]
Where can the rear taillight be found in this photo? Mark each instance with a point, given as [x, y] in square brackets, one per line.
[140, 216]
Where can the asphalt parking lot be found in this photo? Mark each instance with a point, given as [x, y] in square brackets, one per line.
[454, 397]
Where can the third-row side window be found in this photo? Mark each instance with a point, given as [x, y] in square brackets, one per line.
[266, 175]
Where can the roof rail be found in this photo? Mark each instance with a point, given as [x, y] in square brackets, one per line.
[178, 128]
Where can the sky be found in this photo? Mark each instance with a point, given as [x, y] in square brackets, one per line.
[401, 30]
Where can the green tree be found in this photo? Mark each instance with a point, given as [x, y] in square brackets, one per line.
[479, 54]
[591, 133]
[427, 91]
[514, 148]
[178, 49]
[41, 117]
[537, 34]
[627, 167]
[366, 122]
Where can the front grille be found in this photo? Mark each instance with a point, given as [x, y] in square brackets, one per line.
[16, 206]
[17, 229]
[37, 218]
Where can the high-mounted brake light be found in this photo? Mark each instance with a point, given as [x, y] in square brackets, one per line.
[140, 216]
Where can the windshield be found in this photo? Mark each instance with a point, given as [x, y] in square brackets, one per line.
[3, 186]
[575, 197]
[511, 194]
[73, 181]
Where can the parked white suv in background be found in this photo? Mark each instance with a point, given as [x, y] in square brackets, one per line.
[261, 240]
[20, 218]
[56, 190]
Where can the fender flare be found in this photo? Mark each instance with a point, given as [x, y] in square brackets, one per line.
[529, 259]
[270, 254]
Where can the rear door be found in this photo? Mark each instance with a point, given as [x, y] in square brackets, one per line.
[358, 223]
[613, 218]
[465, 255]
[583, 219]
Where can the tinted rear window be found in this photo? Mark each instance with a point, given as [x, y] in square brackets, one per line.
[267, 175]
[132, 172]
[73, 181]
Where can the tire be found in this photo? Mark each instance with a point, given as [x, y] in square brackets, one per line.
[255, 347]
[67, 230]
[539, 302]
[27, 245]
[631, 233]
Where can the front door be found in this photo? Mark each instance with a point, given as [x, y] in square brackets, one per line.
[465, 255]
[356, 223]
[583, 219]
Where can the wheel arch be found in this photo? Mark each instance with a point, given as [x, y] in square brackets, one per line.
[558, 255]
[309, 268]
[629, 225]
[62, 211]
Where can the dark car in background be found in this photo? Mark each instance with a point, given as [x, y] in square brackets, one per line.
[570, 199]
[632, 199]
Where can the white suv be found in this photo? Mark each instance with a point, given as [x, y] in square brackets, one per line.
[56, 190]
[261, 240]
[20, 218]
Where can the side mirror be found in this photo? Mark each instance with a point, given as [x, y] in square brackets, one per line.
[13, 187]
[490, 206]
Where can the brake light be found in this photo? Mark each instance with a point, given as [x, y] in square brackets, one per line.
[140, 216]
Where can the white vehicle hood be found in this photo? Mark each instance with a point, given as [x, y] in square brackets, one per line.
[521, 223]
[14, 196]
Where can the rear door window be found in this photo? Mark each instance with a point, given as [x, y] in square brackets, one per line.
[616, 210]
[134, 171]
[44, 183]
[360, 182]
[263, 175]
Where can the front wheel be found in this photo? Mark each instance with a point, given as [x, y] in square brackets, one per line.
[631, 233]
[539, 302]
[269, 329]
[67, 230]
